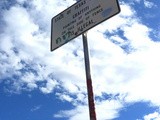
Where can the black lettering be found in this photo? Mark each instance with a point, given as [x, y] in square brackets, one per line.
[80, 22]
[80, 17]
[87, 17]
[97, 12]
[85, 25]
[80, 12]
[92, 10]
[69, 11]
[69, 24]
[80, 4]
[70, 28]
[59, 17]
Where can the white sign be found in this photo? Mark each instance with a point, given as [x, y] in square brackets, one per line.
[79, 18]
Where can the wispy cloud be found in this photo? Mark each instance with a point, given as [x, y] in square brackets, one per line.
[35, 108]
[149, 4]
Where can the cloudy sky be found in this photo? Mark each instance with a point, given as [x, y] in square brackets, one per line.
[36, 84]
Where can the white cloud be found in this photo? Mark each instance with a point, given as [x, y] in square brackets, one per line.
[108, 109]
[138, 1]
[64, 97]
[149, 4]
[152, 116]
[79, 113]
[104, 110]
[24, 50]
[50, 85]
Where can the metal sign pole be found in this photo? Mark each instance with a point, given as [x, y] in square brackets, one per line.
[88, 79]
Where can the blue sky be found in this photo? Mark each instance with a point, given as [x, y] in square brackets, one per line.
[36, 84]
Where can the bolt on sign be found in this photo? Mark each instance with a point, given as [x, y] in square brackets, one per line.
[80, 17]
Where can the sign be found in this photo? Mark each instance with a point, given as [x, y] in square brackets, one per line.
[80, 17]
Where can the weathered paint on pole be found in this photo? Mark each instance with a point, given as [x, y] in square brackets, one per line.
[88, 79]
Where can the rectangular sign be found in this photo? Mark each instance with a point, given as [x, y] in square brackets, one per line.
[80, 17]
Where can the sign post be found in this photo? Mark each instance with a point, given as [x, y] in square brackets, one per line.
[92, 112]
[76, 20]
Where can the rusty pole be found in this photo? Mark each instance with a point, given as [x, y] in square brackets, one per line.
[92, 112]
